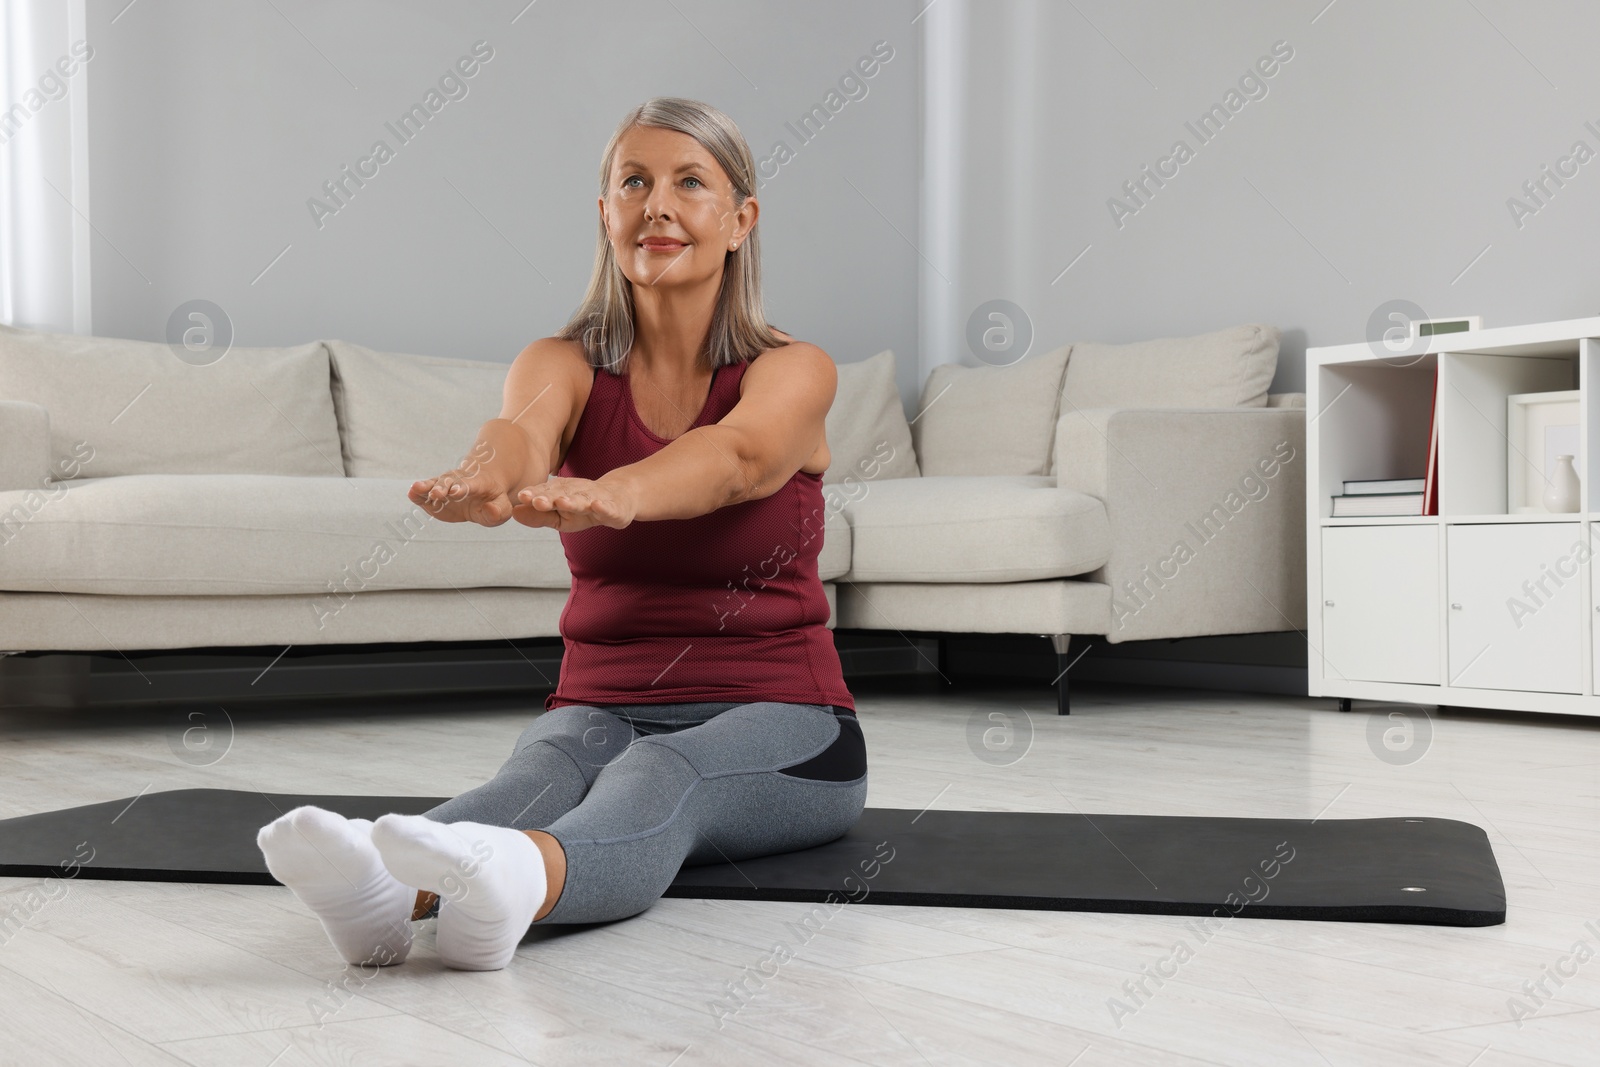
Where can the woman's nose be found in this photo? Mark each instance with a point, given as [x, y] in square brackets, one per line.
[658, 205]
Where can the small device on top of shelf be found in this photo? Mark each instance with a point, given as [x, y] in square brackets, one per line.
[1435, 327]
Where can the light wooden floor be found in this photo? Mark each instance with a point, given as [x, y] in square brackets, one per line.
[119, 972]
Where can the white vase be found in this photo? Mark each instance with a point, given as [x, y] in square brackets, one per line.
[1561, 493]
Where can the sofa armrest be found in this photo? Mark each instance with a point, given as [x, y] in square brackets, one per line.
[24, 445]
[1207, 511]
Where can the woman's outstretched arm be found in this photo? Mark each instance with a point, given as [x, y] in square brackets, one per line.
[520, 447]
[749, 454]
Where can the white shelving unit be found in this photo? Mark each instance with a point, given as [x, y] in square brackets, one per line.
[1476, 606]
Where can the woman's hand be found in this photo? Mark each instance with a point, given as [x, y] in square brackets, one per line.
[569, 504]
[459, 496]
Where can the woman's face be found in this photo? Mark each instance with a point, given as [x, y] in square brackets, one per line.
[669, 209]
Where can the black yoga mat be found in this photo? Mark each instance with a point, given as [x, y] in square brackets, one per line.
[1429, 871]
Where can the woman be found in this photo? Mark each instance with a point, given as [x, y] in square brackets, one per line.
[676, 442]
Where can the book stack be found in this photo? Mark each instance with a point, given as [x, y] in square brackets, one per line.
[1380, 496]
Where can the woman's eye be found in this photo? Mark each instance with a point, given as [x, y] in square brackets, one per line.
[628, 182]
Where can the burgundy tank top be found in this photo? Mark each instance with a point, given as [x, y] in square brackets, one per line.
[722, 607]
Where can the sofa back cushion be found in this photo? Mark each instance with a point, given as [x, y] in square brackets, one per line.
[1225, 369]
[990, 420]
[136, 408]
[868, 437]
[405, 416]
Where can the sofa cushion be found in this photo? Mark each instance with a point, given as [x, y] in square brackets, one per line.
[259, 534]
[868, 436]
[230, 535]
[139, 409]
[25, 446]
[411, 417]
[1225, 369]
[997, 528]
[990, 420]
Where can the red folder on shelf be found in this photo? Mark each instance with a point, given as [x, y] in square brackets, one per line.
[1430, 486]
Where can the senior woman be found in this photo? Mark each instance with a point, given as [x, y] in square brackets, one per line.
[675, 440]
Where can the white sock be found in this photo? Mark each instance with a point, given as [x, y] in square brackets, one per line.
[331, 865]
[490, 882]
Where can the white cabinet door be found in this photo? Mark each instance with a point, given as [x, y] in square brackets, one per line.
[1380, 603]
[1593, 530]
[1516, 606]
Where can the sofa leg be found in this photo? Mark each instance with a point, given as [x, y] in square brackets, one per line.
[1061, 643]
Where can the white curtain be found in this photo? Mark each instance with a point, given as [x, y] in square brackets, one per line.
[45, 62]
[977, 230]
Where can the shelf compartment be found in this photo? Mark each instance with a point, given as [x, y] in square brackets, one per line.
[1473, 387]
[1373, 423]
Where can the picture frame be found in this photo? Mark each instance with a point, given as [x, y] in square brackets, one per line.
[1539, 427]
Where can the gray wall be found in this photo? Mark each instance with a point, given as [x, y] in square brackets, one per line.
[212, 123]
[1377, 167]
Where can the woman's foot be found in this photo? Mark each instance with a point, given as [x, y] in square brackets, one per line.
[490, 881]
[331, 865]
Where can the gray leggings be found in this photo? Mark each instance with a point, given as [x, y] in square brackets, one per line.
[635, 792]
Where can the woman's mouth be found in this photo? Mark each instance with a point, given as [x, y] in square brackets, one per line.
[661, 244]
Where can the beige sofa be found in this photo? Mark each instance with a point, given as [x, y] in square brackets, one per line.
[149, 503]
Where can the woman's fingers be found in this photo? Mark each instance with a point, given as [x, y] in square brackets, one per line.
[559, 503]
[437, 489]
[456, 497]
[565, 504]
[559, 513]
[491, 513]
[537, 519]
